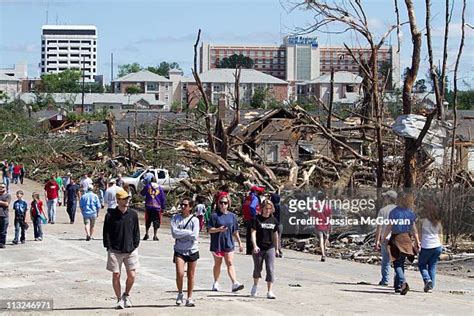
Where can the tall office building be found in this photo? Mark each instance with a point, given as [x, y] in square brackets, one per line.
[69, 47]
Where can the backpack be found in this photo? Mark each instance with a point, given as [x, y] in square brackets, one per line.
[247, 214]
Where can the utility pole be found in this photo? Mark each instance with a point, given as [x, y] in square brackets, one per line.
[83, 79]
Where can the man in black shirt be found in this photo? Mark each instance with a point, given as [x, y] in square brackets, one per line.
[121, 238]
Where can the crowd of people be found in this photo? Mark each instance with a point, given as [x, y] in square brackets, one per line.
[261, 216]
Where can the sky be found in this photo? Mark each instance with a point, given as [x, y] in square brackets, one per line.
[151, 31]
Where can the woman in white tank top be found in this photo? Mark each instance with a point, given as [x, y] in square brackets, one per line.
[431, 246]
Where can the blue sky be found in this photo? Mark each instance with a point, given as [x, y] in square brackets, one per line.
[149, 32]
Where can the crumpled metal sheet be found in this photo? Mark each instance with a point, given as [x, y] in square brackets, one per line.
[410, 125]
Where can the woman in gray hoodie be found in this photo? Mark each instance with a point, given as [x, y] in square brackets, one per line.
[185, 231]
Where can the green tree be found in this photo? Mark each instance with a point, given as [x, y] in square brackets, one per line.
[128, 69]
[133, 90]
[420, 86]
[235, 61]
[259, 97]
[164, 68]
[465, 99]
[67, 81]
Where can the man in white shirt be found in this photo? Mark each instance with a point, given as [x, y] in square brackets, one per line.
[86, 182]
[110, 195]
[390, 199]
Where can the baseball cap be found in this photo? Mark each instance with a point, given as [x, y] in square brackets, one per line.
[122, 194]
[391, 194]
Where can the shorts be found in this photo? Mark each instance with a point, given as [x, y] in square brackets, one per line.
[152, 217]
[115, 260]
[220, 254]
[322, 233]
[189, 258]
[90, 220]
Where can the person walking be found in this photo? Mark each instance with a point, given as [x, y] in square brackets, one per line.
[22, 173]
[185, 230]
[38, 217]
[200, 211]
[51, 192]
[250, 209]
[155, 204]
[66, 180]
[20, 207]
[121, 238]
[400, 244]
[102, 186]
[72, 195]
[59, 181]
[90, 206]
[224, 227]
[431, 248]
[16, 173]
[86, 182]
[275, 199]
[110, 195]
[389, 198]
[265, 247]
[6, 176]
[5, 200]
[322, 215]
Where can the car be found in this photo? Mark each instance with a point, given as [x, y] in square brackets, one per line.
[162, 177]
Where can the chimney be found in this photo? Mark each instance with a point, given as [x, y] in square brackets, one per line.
[222, 107]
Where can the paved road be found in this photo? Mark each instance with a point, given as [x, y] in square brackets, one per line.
[66, 268]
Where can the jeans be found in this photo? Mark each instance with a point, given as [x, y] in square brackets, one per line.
[399, 267]
[385, 265]
[16, 177]
[427, 262]
[19, 226]
[6, 181]
[38, 227]
[3, 230]
[101, 196]
[51, 204]
[71, 207]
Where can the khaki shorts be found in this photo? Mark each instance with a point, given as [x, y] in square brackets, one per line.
[115, 260]
[90, 220]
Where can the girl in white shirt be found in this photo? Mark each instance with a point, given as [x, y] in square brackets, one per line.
[431, 247]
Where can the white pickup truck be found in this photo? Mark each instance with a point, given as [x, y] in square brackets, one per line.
[162, 177]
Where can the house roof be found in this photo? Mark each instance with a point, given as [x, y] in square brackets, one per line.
[97, 98]
[222, 75]
[142, 76]
[4, 77]
[339, 77]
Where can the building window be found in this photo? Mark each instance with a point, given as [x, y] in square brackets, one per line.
[271, 153]
[260, 53]
[152, 86]
[167, 98]
[167, 87]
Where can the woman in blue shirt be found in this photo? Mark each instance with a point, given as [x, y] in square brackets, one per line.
[223, 227]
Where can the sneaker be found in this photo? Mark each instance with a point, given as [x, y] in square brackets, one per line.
[71, 222]
[23, 241]
[15, 242]
[405, 288]
[253, 291]
[237, 287]
[281, 254]
[190, 302]
[155, 238]
[383, 283]
[88, 238]
[120, 304]
[397, 290]
[271, 296]
[323, 259]
[428, 287]
[40, 238]
[179, 299]
[36, 239]
[215, 287]
[146, 237]
[126, 300]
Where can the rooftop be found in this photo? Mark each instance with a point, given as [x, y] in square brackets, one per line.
[221, 75]
[339, 77]
[142, 76]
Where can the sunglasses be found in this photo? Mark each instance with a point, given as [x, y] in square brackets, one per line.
[184, 204]
[224, 203]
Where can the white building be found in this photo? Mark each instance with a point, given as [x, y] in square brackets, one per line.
[147, 82]
[9, 85]
[69, 47]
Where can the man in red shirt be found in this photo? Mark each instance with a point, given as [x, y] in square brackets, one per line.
[16, 173]
[51, 191]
